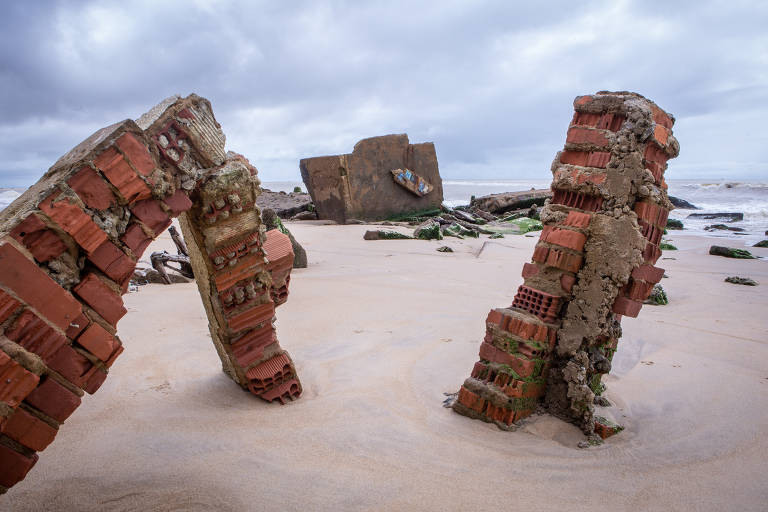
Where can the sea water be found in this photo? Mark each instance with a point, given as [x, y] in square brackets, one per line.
[749, 198]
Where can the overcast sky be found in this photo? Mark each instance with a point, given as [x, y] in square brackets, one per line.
[490, 83]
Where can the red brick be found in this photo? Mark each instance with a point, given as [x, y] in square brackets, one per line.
[8, 306]
[136, 239]
[278, 250]
[470, 400]
[74, 221]
[585, 119]
[179, 202]
[494, 317]
[567, 238]
[77, 326]
[577, 200]
[29, 430]
[638, 290]
[661, 117]
[652, 213]
[583, 177]
[611, 122]
[478, 369]
[93, 190]
[583, 100]
[655, 154]
[581, 135]
[651, 253]
[122, 176]
[250, 347]
[246, 267]
[538, 303]
[14, 466]
[42, 242]
[586, 159]
[94, 382]
[661, 134]
[101, 298]
[289, 389]
[137, 153]
[567, 281]
[564, 261]
[626, 307]
[71, 365]
[112, 261]
[33, 286]
[252, 317]
[530, 270]
[53, 399]
[648, 273]
[540, 254]
[577, 219]
[15, 381]
[119, 350]
[35, 335]
[98, 341]
[152, 215]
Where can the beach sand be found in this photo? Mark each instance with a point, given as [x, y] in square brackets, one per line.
[379, 330]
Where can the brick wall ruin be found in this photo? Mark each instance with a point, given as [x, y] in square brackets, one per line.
[592, 265]
[360, 185]
[68, 248]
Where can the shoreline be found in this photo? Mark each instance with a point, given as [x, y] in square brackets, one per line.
[379, 330]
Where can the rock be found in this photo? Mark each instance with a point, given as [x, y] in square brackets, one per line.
[664, 246]
[285, 205]
[602, 401]
[428, 230]
[444, 248]
[714, 227]
[355, 221]
[305, 215]
[682, 204]
[459, 231]
[466, 217]
[527, 224]
[741, 280]
[496, 235]
[483, 214]
[605, 428]
[360, 184]
[271, 221]
[658, 296]
[762, 243]
[730, 252]
[674, 224]
[507, 201]
[726, 216]
[385, 234]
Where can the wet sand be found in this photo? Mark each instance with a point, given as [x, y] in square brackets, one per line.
[379, 330]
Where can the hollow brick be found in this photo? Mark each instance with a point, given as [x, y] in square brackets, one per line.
[35, 335]
[67, 214]
[41, 241]
[101, 298]
[137, 153]
[93, 190]
[122, 176]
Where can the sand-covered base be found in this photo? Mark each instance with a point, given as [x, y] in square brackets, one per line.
[379, 330]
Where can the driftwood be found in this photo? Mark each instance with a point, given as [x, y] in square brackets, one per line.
[162, 259]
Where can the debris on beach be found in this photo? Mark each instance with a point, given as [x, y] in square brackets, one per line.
[762, 243]
[593, 265]
[296, 205]
[385, 234]
[504, 202]
[444, 248]
[412, 182]
[725, 216]
[730, 252]
[361, 184]
[70, 245]
[722, 227]
[741, 280]
[682, 204]
[429, 230]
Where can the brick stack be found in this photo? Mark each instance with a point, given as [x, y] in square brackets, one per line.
[68, 248]
[592, 265]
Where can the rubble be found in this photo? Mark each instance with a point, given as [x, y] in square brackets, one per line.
[592, 266]
[360, 184]
[69, 246]
[508, 201]
[286, 205]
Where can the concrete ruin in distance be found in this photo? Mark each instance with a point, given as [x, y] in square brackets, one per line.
[68, 248]
[361, 185]
[592, 265]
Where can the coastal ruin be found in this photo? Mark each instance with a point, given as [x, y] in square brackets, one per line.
[68, 248]
[367, 184]
[593, 264]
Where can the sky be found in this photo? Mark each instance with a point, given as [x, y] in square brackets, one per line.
[491, 83]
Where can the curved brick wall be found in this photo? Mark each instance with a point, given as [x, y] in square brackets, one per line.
[68, 248]
[593, 264]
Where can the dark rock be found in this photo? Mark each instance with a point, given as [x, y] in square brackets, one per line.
[730, 252]
[459, 231]
[682, 204]
[284, 205]
[385, 234]
[507, 201]
[741, 280]
[714, 227]
[762, 243]
[444, 248]
[360, 185]
[305, 215]
[429, 230]
[674, 224]
[496, 235]
[271, 221]
[726, 216]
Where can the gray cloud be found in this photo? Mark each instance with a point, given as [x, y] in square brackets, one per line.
[491, 83]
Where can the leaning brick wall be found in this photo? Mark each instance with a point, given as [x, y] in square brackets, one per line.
[592, 265]
[68, 248]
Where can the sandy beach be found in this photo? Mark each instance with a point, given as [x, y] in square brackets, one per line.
[379, 331]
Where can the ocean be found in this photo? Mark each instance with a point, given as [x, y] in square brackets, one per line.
[749, 198]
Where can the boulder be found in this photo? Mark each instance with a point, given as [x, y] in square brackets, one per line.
[285, 205]
[741, 280]
[429, 230]
[726, 216]
[723, 227]
[360, 184]
[674, 224]
[682, 204]
[762, 243]
[385, 234]
[730, 252]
